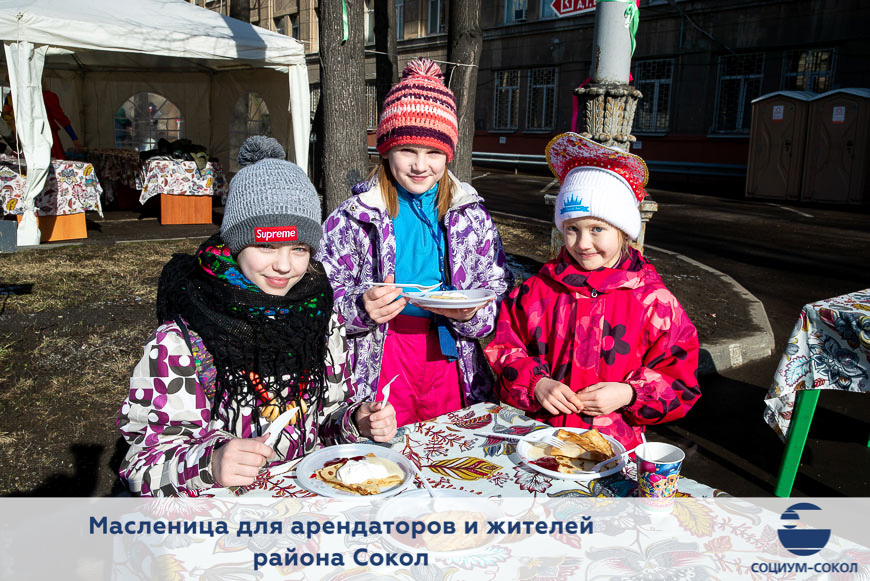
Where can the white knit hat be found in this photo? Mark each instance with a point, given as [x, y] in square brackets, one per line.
[598, 182]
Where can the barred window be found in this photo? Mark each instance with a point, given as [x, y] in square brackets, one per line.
[541, 110]
[653, 79]
[739, 83]
[507, 100]
[808, 70]
[371, 105]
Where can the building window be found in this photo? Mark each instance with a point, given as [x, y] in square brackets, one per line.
[507, 100]
[547, 10]
[281, 25]
[294, 26]
[250, 116]
[437, 17]
[808, 70]
[541, 111]
[315, 100]
[400, 19]
[515, 11]
[369, 21]
[739, 83]
[371, 106]
[149, 118]
[653, 79]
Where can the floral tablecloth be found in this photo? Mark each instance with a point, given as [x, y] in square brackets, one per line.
[828, 349]
[115, 167]
[451, 457]
[175, 177]
[72, 187]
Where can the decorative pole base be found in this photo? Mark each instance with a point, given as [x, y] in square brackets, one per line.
[608, 113]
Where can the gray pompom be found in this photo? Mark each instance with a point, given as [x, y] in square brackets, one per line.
[257, 147]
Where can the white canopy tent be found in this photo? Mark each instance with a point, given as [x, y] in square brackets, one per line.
[98, 53]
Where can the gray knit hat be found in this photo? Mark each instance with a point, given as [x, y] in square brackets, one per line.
[270, 200]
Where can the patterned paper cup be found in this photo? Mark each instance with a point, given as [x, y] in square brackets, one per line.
[658, 470]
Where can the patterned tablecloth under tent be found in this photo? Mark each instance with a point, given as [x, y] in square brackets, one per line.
[72, 187]
[161, 175]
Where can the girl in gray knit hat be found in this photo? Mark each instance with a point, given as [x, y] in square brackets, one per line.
[247, 333]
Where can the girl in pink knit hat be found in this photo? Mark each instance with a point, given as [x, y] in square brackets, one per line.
[595, 339]
[413, 222]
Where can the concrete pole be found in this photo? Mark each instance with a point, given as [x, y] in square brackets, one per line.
[611, 46]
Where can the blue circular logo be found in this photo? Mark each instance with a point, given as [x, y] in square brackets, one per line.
[803, 542]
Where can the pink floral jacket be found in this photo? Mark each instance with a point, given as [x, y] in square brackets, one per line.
[582, 327]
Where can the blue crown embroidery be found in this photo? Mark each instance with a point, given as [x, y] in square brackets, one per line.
[573, 204]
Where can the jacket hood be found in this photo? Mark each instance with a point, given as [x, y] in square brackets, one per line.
[633, 272]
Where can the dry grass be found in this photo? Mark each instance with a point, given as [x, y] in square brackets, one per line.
[66, 352]
[76, 275]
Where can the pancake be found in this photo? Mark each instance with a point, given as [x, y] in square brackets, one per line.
[349, 474]
[579, 454]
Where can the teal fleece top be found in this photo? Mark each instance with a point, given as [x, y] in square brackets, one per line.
[416, 248]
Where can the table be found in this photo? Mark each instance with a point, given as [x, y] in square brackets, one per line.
[708, 535]
[117, 168]
[452, 458]
[72, 188]
[185, 190]
[163, 175]
[829, 348]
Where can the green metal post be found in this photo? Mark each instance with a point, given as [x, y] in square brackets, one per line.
[804, 408]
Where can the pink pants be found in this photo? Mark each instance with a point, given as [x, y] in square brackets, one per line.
[428, 384]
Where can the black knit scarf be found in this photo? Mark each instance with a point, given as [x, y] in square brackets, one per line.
[267, 350]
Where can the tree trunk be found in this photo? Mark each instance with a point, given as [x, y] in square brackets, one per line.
[240, 10]
[466, 42]
[387, 66]
[342, 92]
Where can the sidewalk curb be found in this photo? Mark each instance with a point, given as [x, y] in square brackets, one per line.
[727, 353]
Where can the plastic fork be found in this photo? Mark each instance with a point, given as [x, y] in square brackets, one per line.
[622, 456]
[385, 392]
[533, 438]
[419, 287]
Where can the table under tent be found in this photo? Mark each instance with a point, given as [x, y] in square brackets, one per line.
[98, 55]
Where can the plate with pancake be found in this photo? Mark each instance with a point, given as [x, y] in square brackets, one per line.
[456, 506]
[451, 299]
[354, 470]
[583, 449]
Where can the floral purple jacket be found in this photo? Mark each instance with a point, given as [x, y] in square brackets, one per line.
[359, 246]
[167, 418]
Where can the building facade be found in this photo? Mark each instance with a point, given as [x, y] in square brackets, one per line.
[698, 63]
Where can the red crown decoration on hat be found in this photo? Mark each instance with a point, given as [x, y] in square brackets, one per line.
[569, 151]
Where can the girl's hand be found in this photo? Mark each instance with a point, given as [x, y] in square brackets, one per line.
[238, 462]
[605, 397]
[556, 397]
[376, 423]
[383, 303]
[461, 315]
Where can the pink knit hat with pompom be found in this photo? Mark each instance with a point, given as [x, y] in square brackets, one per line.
[419, 110]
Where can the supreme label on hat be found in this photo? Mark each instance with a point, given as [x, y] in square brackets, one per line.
[273, 234]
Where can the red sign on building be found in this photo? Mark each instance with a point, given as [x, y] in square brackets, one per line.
[572, 7]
